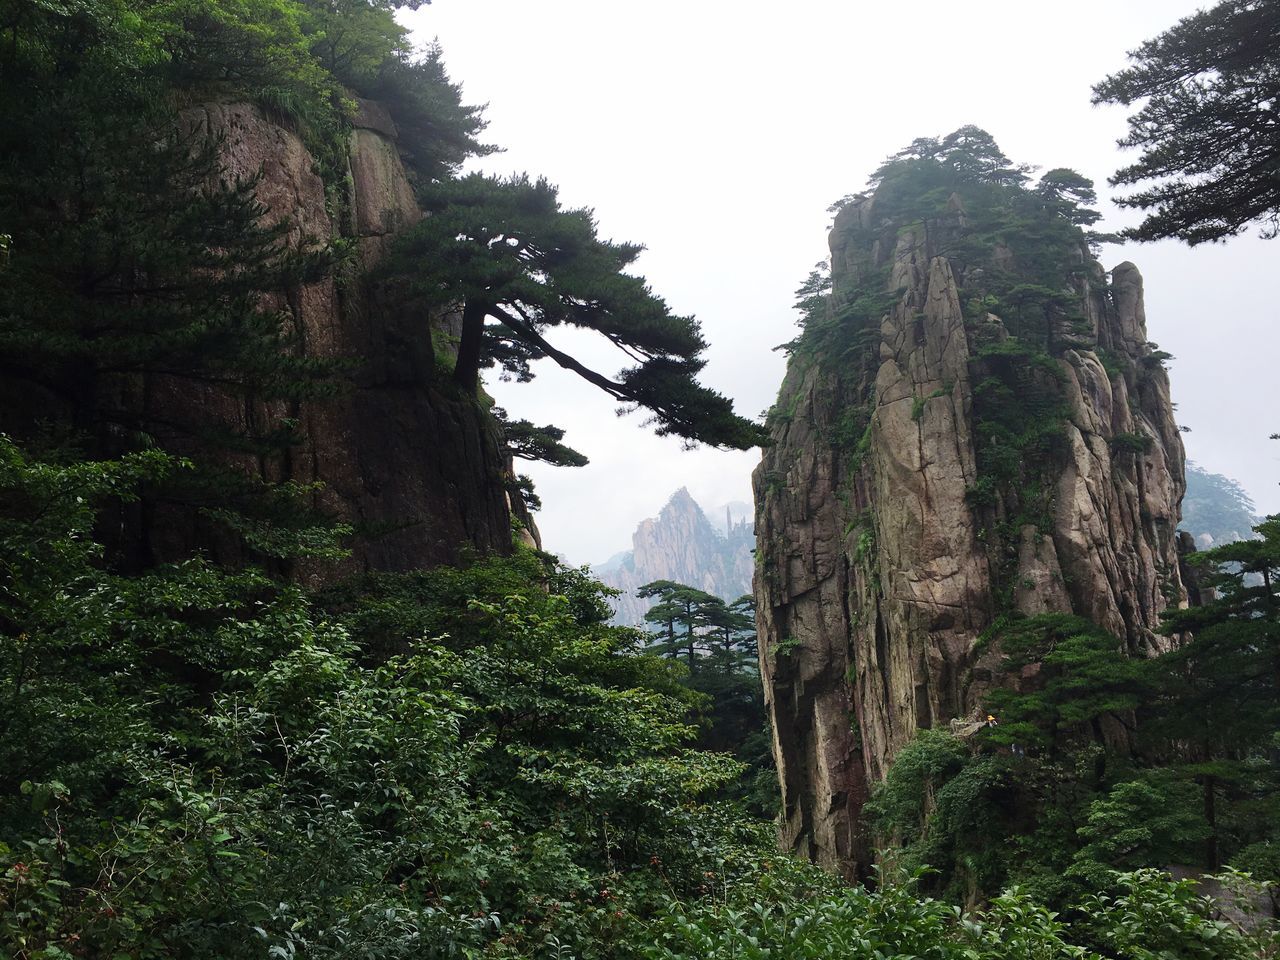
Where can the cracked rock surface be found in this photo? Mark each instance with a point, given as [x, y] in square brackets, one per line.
[416, 470]
[876, 575]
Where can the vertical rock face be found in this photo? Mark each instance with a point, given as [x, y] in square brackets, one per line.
[893, 528]
[680, 544]
[417, 470]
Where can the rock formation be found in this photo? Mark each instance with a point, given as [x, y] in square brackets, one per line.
[417, 470]
[946, 457]
[681, 544]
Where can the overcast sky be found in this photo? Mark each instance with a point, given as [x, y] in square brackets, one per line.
[718, 133]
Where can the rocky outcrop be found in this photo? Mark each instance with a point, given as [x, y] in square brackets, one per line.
[894, 530]
[680, 544]
[417, 470]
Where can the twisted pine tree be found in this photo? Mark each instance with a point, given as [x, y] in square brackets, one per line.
[519, 264]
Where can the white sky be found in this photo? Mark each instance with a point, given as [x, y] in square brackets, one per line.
[717, 133]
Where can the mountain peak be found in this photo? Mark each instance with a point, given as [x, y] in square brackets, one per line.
[684, 499]
[683, 545]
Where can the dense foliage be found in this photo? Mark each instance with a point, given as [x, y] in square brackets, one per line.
[210, 759]
[459, 762]
[1148, 916]
[201, 757]
[715, 642]
[1206, 128]
[1109, 761]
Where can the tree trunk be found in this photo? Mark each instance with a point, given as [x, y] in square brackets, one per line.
[466, 370]
[688, 636]
[1275, 640]
[1100, 762]
[1211, 817]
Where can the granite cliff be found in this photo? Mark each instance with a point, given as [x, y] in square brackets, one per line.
[681, 544]
[415, 468]
[973, 427]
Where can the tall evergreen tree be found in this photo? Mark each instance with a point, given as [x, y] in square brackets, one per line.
[1219, 689]
[681, 612]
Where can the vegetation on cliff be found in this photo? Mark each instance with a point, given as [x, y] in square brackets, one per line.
[1020, 254]
[139, 271]
[131, 252]
[999, 542]
[221, 753]
[1101, 756]
[1100, 760]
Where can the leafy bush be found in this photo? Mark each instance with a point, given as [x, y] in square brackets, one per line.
[213, 759]
[796, 917]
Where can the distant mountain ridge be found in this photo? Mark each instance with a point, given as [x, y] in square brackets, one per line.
[1216, 509]
[683, 545]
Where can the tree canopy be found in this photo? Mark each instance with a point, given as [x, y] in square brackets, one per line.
[519, 264]
[1207, 129]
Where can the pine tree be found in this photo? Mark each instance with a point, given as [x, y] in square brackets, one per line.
[1218, 690]
[1207, 129]
[518, 265]
[529, 442]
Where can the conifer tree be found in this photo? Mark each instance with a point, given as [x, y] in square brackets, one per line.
[1207, 131]
[1218, 690]
[529, 442]
[681, 612]
[519, 265]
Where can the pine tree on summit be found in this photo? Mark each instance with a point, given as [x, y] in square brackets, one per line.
[519, 264]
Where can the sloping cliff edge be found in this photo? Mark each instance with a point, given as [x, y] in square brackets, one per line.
[883, 556]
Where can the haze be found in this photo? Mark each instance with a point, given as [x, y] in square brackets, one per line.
[718, 133]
